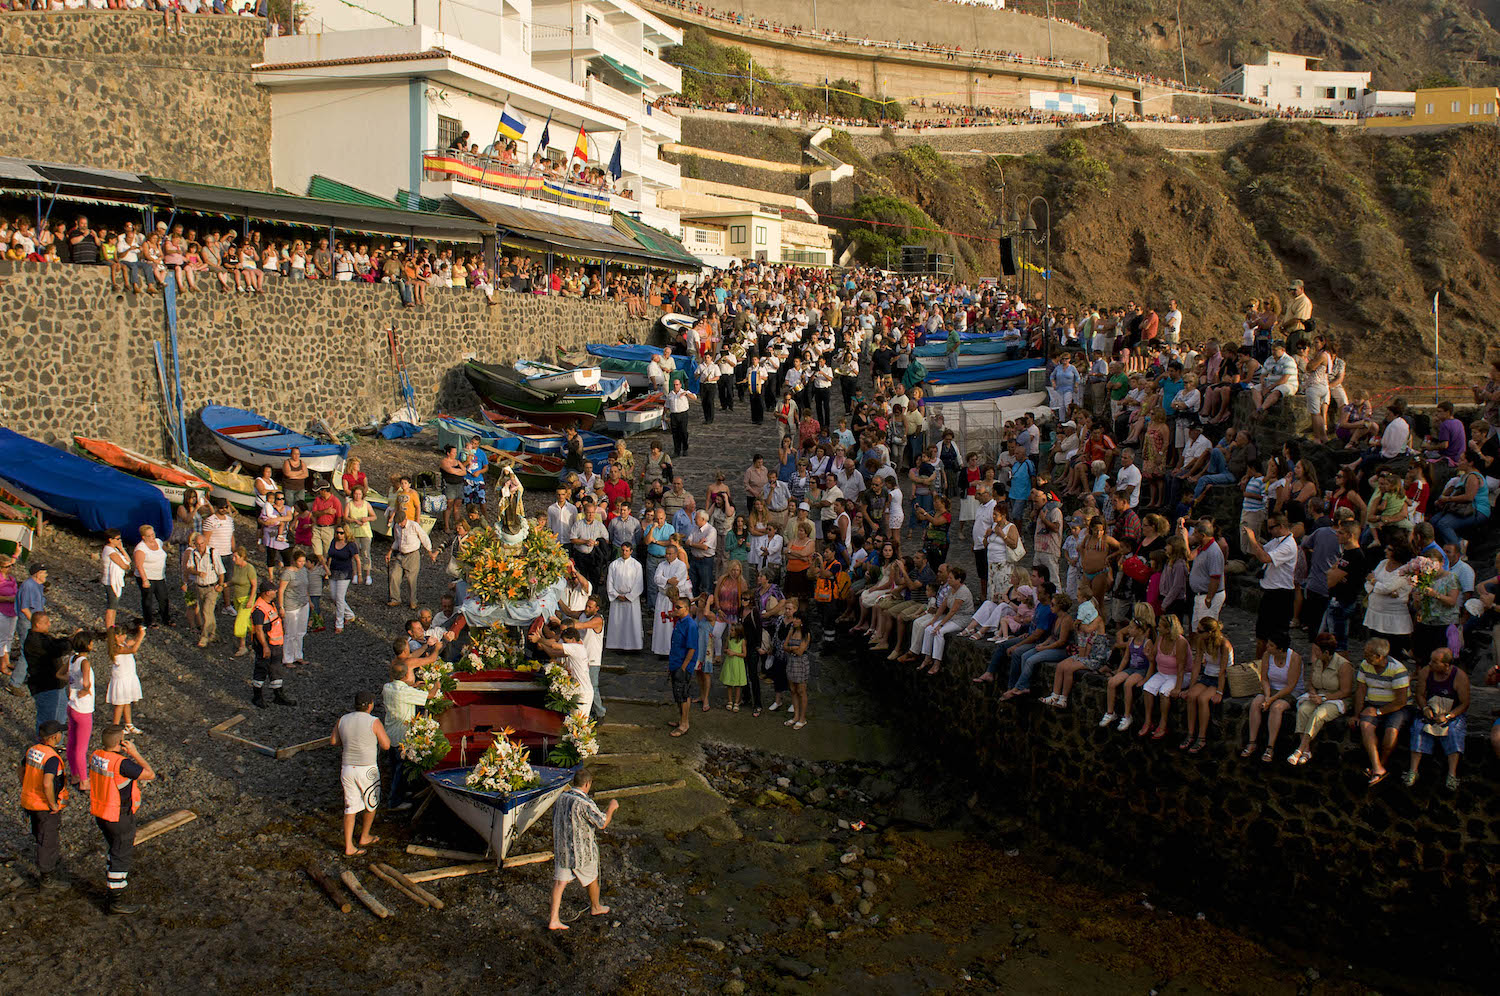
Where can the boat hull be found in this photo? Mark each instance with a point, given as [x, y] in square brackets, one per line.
[499, 819]
[558, 414]
[545, 377]
[259, 442]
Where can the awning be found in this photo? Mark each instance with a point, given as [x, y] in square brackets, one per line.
[654, 239]
[78, 182]
[321, 213]
[553, 233]
[631, 76]
[328, 189]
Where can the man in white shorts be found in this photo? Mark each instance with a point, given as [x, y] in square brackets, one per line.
[362, 736]
[575, 817]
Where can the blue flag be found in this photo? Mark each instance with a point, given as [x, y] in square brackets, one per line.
[615, 169]
[546, 138]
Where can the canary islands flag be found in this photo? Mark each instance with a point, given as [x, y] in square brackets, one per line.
[512, 125]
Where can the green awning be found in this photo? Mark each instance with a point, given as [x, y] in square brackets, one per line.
[333, 190]
[631, 76]
[655, 239]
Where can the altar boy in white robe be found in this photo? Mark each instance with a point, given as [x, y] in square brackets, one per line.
[671, 584]
[624, 584]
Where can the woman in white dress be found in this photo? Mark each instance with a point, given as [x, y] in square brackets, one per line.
[1389, 610]
[671, 584]
[624, 584]
[124, 685]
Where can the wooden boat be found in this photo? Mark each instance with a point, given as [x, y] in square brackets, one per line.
[496, 383]
[536, 472]
[228, 485]
[255, 440]
[636, 415]
[990, 378]
[18, 525]
[455, 431]
[471, 727]
[560, 380]
[168, 478]
[970, 354]
[499, 818]
[546, 442]
[575, 410]
[632, 363]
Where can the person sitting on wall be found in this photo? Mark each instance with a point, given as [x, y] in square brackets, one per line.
[1278, 379]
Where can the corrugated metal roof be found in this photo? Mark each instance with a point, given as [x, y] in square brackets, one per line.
[654, 238]
[333, 190]
[550, 230]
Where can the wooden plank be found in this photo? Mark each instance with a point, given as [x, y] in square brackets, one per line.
[451, 871]
[258, 748]
[528, 859]
[390, 880]
[286, 752]
[169, 822]
[616, 700]
[370, 901]
[649, 788]
[613, 727]
[407, 883]
[330, 887]
[443, 852]
[234, 720]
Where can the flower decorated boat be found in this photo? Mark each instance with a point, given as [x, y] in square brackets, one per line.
[513, 578]
[500, 817]
[471, 728]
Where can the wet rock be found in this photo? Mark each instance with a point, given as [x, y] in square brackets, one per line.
[849, 856]
[817, 796]
[708, 944]
[794, 967]
[771, 797]
[733, 987]
[869, 887]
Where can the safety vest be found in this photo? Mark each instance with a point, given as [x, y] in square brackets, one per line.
[33, 779]
[273, 621]
[105, 783]
[823, 589]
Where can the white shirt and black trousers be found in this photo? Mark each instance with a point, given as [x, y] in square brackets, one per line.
[1278, 588]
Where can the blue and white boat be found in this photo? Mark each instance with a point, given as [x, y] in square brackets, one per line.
[989, 379]
[970, 354]
[455, 431]
[499, 817]
[258, 442]
[542, 441]
[95, 494]
[629, 363]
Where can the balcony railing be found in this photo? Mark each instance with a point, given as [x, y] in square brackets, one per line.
[439, 165]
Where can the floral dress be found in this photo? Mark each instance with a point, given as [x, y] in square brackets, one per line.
[1155, 462]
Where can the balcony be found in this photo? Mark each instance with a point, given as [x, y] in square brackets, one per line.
[664, 78]
[653, 171]
[611, 99]
[662, 123]
[442, 166]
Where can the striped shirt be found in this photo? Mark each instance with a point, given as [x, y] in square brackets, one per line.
[1381, 686]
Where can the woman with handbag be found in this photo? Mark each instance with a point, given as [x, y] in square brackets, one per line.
[1280, 684]
[1329, 692]
[1213, 666]
[1464, 502]
[1003, 549]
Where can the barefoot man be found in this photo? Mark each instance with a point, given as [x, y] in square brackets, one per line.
[574, 818]
[362, 736]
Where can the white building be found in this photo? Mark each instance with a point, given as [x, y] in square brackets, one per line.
[1387, 103]
[367, 97]
[1286, 80]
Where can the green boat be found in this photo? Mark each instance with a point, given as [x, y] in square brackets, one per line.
[504, 389]
[18, 525]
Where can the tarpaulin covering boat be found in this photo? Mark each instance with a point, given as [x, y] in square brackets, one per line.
[631, 362]
[98, 496]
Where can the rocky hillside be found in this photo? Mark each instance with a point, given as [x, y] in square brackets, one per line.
[1374, 226]
[1402, 42]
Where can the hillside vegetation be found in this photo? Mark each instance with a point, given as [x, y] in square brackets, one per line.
[1374, 226]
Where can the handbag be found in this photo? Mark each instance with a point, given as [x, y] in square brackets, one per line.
[1241, 680]
[1016, 553]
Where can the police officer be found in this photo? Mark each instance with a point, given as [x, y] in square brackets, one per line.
[43, 793]
[116, 771]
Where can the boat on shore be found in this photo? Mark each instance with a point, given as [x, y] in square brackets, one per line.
[171, 480]
[560, 380]
[990, 378]
[257, 441]
[576, 410]
[471, 727]
[635, 415]
[631, 362]
[95, 494]
[228, 485]
[971, 354]
[533, 470]
[455, 431]
[544, 441]
[18, 525]
[499, 817]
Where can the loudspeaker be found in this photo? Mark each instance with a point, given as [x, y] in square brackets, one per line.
[1008, 256]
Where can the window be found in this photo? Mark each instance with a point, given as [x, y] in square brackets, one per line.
[1330, 92]
[448, 130]
[1489, 108]
[1352, 93]
[700, 236]
[1265, 89]
[1426, 108]
[1455, 107]
[760, 235]
[1473, 109]
[737, 234]
[1296, 91]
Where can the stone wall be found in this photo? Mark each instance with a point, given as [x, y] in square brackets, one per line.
[1290, 853]
[82, 360]
[113, 89]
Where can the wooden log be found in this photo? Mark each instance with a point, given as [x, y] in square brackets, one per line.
[286, 752]
[528, 859]
[259, 748]
[389, 880]
[234, 720]
[407, 883]
[370, 901]
[649, 788]
[443, 852]
[621, 700]
[451, 871]
[422, 807]
[169, 822]
[329, 886]
[609, 727]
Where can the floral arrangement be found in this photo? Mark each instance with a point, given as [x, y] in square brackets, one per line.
[425, 746]
[579, 743]
[437, 679]
[495, 648]
[498, 573]
[563, 691]
[504, 767]
[1423, 571]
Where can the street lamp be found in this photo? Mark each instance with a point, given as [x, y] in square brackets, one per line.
[1030, 234]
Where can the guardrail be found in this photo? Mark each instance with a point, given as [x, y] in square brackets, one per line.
[485, 171]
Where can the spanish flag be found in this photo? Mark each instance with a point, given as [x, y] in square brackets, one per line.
[512, 125]
[581, 147]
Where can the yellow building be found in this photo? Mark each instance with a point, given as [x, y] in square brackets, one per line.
[1446, 106]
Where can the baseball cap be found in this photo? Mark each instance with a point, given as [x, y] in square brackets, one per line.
[806, 506]
[1295, 285]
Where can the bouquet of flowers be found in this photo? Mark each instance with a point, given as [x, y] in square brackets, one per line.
[1423, 571]
[437, 679]
[504, 767]
[498, 573]
[424, 746]
[495, 648]
[563, 693]
[580, 741]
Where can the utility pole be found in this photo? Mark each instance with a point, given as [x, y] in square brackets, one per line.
[1181, 52]
[1049, 29]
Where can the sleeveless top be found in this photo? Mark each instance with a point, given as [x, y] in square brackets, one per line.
[1443, 686]
[1276, 675]
[1213, 665]
[1137, 652]
[1166, 663]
